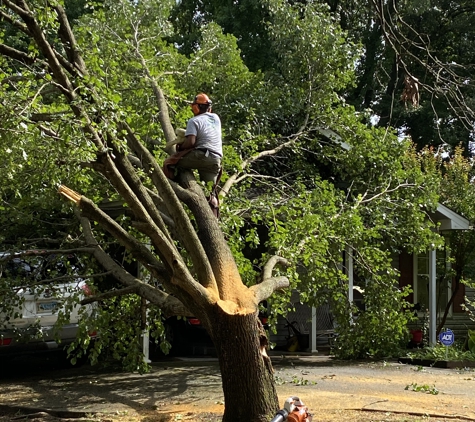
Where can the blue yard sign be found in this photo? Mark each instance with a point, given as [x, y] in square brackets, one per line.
[447, 337]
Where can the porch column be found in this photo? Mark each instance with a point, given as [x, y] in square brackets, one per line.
[146, 331]
[313, 339]
[432, 298]
[349, 267]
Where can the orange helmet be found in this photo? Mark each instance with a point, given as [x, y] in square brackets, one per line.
[201, 104]
[202, 99]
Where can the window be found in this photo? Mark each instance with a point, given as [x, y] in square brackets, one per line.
[421, 282]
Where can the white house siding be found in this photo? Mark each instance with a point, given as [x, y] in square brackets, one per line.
[459, 323]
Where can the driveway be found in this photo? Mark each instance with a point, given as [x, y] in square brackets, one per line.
[190, 389]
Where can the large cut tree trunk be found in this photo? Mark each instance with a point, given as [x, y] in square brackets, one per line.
[246, 370]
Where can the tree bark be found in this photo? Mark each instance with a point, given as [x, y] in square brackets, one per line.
[246, 369]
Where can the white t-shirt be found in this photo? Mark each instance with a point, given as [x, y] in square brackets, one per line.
[207, 129]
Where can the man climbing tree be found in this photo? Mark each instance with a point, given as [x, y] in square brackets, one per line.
[201, 148]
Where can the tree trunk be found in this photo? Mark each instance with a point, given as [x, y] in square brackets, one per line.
[246, 370]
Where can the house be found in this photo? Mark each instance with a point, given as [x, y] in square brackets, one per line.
[420, 271]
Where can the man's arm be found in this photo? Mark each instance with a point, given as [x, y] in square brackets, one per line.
[188, 144]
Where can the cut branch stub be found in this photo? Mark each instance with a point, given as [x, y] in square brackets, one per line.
[69, 194]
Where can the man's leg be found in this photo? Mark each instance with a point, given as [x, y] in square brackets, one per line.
[208, 167]
[210, 170]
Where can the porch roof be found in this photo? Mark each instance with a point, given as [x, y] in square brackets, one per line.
[450, 220]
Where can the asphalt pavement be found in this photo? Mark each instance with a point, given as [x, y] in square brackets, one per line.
[195, 383]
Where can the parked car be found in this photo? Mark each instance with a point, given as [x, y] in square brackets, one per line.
[33, 289]
[188, 337]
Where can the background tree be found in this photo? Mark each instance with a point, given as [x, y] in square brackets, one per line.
[429, 42]
[439, 64]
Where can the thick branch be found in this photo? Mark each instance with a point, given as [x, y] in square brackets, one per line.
[265, 289]
[57, 64]
[161, 206]
[270, 284]
[127, 171]
[161, 241]
[169, 304]
[183, 224]
[13, 7]
[44, 46]
[177, 274]
[7, 51]
[14, 22]
[69, 41]
[71, 68]
[271, 264]
[217, 250]
[137, 249]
